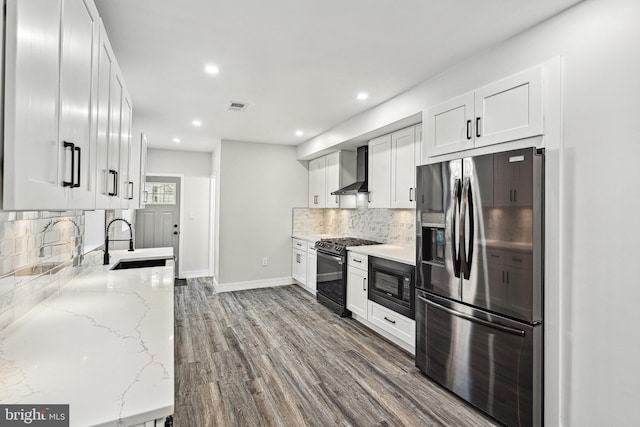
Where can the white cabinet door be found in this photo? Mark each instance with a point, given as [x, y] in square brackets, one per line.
[332, 179]
[106, 69]
[312, 270]
[509, 109]
[380, 172]
[139, 167]
[299, 266]
[115, 120]
[403, 168]
[450, 125]
[78, 69]
[34, 157]
[357, 291]
[317, 185]
[125, 150]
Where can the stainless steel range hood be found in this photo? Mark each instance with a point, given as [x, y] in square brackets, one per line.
[362, 171]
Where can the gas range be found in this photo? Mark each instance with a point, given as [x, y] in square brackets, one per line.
[338, 245]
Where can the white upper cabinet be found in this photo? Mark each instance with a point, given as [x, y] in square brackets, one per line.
[78, 71]
[503, 111]
[56, 131]
[332, 180]
[138, 170]
[405, 156]
[116, 171]
[451, 125]
[380, 172]
[392, 168]
[33, 155]
[317, 183]
[509, 109]
[328, 174]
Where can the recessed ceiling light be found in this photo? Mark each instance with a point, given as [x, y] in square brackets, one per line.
[211, 69]
[362, 96]
[196, 123]
[176, 140]
[299, 133]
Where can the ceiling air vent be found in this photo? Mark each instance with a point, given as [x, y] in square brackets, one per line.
[237, 106]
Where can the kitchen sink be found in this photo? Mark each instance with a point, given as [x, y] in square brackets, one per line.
[140, 263]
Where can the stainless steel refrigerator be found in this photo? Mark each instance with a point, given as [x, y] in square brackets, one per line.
[479, 281]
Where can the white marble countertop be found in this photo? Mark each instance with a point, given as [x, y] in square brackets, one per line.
[406, 255]
[104, 345]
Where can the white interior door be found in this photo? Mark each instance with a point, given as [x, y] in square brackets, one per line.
[158, 224]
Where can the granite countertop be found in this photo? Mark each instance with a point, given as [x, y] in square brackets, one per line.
[104, 345]
[406, 255]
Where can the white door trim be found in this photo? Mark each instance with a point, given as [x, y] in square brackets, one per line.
[180, 245]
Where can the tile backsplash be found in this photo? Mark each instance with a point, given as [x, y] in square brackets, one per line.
[39, 253]
[393, 226]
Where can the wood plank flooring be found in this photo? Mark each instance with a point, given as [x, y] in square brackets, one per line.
[275, 357]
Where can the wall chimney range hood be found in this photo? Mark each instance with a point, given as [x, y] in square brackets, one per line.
[362, 172]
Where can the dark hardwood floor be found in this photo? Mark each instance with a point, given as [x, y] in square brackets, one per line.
[274, 357]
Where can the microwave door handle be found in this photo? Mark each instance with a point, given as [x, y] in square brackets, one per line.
[455, 253]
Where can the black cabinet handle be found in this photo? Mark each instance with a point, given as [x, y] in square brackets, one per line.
[411, 194]
[389, 320]
[71, 145]
[478, 127]
[364, 284]
[79, 151]
[115, 182]
[515, 195]
[131, 190]
[468, 129]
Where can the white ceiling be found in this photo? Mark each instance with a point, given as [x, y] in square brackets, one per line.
[299, 64]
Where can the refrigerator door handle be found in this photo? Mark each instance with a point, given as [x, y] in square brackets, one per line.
[455, 253]
[497, 326]
[466, 255]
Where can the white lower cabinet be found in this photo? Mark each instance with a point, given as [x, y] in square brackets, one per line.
[396, 324]
[304, 263]
[388, 323]
[312, 266]
[357, 290]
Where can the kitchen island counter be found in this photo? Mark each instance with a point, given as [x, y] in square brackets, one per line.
[103, 344]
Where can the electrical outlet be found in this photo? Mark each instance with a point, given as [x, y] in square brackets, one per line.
[265, 262]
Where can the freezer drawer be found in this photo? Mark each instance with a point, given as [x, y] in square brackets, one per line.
[492, 362]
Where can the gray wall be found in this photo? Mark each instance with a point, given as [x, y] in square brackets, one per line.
[259, 185]
[196, 168]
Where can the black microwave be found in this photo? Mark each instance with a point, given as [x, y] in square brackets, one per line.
[392, 284]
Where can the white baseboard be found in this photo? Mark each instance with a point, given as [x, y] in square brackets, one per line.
[252, 284]
[195, 273]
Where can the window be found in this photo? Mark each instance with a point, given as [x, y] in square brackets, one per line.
[160, 193]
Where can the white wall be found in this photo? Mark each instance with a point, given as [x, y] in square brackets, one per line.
[592, 289]
[196, 168]
[259, 185]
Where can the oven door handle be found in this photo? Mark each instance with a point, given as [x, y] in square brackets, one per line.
[331, 257]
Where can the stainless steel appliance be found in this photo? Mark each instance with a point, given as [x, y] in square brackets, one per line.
[392, 285]
[479, 283]
[331, 286]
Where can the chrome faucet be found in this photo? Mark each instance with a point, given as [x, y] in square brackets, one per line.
[106, 239]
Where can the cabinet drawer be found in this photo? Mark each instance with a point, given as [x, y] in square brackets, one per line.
[396, 324]
[311, 247]
[358, 261]
[496, 256]
[300, 244]
[519, 260]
